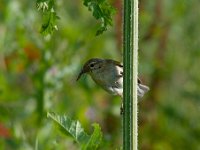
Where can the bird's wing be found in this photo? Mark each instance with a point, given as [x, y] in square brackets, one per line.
[121, 65]
[114, 62]
[121, 75]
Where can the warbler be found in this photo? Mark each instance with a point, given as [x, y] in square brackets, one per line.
[108, 74]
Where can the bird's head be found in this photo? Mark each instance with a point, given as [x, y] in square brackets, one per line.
[90, 65]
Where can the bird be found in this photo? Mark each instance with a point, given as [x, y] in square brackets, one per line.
[108, 74]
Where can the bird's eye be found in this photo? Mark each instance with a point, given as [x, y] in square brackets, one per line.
[91, 65]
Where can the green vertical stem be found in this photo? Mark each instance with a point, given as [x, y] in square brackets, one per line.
[130, 61]
[135, 74]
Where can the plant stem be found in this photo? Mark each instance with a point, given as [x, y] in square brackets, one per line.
[130, 58]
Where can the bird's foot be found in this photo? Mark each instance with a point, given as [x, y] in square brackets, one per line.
[121, 110]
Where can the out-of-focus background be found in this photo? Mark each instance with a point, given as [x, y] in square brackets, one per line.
[38, 74]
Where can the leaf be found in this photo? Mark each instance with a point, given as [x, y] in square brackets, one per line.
[72, 127]
[49, 23]
[49, 16]
[95, 138]
[45, 5]
[102, 11]
[75, 129]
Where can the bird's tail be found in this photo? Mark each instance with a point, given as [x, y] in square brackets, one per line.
[142, 89]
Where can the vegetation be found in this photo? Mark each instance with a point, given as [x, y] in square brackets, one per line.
[38, 74]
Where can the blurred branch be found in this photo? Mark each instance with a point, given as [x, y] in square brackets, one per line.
[160, 66]
[2, 62]
[40, 85]
[155, 22]
[160, 53]
[118, 20]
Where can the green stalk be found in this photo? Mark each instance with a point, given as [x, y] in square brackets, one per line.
[130, 61]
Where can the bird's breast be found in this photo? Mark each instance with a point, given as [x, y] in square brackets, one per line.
[109, 79]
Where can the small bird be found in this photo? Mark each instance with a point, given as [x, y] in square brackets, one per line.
[108, 74]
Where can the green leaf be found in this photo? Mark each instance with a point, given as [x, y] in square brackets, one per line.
[102, 11]
[95, 138]
[47, 7]
[49, 23]
[69, 126]
[73, 128]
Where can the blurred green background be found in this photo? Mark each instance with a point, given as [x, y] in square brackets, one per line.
[38, 74]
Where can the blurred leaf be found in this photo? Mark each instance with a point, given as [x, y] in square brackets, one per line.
[32, 52]
[102, 11]
[49, 16]
[45, 5]
[77, 132]
[4, 131]
[95, 138]
[49, 23]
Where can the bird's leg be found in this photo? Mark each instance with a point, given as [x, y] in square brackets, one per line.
[121, 109]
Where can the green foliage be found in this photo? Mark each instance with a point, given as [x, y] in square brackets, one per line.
[95, 139]
[38, 75]
[47, 7]
[102, 11]
[77, 132]
[49, 24]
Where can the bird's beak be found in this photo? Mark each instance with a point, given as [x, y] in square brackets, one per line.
[80, 74]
